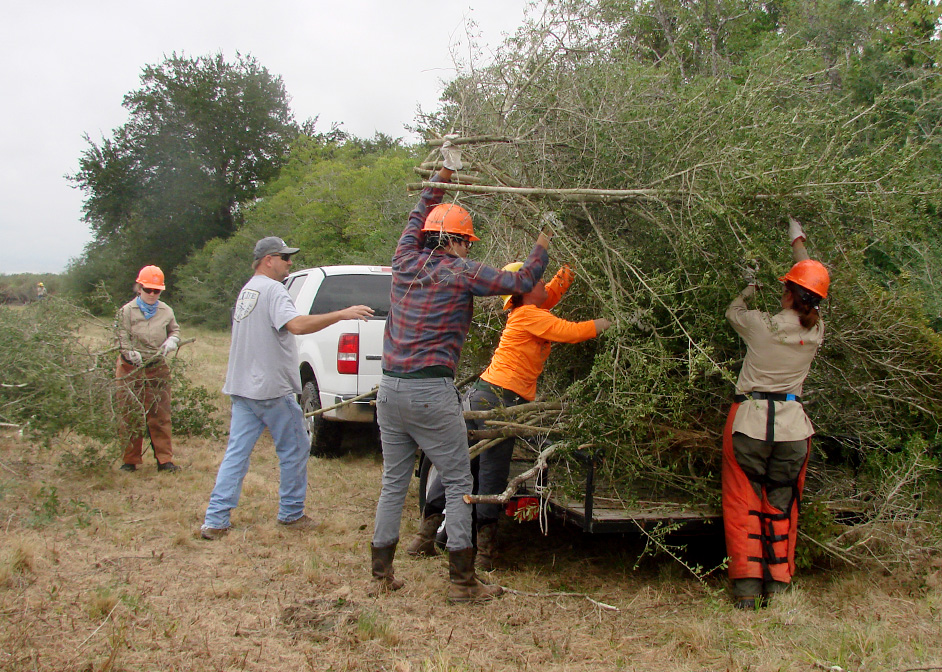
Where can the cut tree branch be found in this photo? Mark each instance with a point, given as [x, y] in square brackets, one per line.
[512, 486]
[511, 411]
[578, 195]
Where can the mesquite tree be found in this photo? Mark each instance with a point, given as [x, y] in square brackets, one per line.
[716, 121]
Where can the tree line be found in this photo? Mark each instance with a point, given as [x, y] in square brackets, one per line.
[210, 159]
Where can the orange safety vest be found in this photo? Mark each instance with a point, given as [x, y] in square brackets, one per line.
[760, 539]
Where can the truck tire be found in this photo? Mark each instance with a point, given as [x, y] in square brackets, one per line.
[325, 436]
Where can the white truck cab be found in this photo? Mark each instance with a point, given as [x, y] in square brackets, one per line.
[345, 359]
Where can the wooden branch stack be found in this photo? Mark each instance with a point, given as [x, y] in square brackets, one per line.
[530, 419]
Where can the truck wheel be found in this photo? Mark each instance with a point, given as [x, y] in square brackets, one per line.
[325, 436]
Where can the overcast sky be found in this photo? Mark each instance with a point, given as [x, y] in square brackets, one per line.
[67, 65]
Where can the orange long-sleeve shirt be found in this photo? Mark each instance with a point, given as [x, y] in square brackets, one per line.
[526, 341]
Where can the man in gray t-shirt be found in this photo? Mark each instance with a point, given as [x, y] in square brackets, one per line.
[262, 381]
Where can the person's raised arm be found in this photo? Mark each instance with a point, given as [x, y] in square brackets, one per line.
[308, 324]
[797, 235]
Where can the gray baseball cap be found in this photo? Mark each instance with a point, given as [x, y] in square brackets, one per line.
[272, 245]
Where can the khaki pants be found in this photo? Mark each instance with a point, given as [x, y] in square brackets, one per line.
[144, 406]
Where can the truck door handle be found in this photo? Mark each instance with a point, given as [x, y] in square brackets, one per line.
[373, 358]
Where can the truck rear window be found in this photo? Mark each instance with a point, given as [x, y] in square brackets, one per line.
[340, 291]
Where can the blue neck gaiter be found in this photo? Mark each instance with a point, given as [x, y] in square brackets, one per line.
[148, 310]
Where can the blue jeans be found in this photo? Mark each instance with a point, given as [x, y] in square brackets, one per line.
[422, 413]
[285, 421]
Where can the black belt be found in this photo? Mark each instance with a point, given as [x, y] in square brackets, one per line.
[770, 414]
[771, 396]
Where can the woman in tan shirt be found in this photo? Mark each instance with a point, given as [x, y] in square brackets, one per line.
[146, 332]
[767, 438]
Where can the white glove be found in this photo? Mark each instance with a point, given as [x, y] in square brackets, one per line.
[552, 220]
[169, 345]
[749, 274]
[794, 230]
[451, 155]
[134, 357]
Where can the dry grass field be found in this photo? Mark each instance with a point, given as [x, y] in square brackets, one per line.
[105, 571]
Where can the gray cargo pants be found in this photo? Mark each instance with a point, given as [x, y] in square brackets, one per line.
[422, 413]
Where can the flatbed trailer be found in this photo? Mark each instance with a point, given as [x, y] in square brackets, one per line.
[588, 509]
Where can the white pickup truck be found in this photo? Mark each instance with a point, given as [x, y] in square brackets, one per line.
[345, 359]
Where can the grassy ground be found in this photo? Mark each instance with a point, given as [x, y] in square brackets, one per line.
[105, 571]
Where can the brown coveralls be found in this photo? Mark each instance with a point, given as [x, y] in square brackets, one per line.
[144, 392]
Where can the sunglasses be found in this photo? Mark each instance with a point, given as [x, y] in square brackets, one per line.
[148, 290]
[468, 243]
[284, 257]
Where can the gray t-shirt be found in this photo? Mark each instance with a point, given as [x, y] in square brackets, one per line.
[263, 357]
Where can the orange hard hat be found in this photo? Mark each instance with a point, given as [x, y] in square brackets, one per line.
[512, 266]
[810, 274]
[450, 218]
[151, 277]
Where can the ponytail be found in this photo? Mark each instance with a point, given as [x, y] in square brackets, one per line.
[805, 303]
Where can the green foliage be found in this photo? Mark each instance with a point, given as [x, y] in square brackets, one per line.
[818, 524]
[340, 202]
[204, 133]
[47, 508]
[733, 116]
[193, 409]
[52, 379]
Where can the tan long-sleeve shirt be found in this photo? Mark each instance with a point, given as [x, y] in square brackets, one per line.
[779, 352]
[133, 332]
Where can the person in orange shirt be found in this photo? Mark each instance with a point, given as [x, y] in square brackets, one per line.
[509, 380]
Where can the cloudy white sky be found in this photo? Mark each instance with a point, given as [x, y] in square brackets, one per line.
[66, 66]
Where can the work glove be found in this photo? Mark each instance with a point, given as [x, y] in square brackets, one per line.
[169, 345]
[549, 223]
[565, 277]
[749, 274]
[795, 231]
[451, 155]
[134, 357]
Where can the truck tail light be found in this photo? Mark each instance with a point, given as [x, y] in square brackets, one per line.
[348, 354]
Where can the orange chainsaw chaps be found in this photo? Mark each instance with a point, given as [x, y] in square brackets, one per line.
[744, 517]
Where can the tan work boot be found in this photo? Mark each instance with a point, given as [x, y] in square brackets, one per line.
[302, 524]
[213, 533]
[423, 543]
[384, 580]
[488, 549]
[465, 585]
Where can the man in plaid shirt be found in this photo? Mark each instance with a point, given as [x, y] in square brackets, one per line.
[417, 404]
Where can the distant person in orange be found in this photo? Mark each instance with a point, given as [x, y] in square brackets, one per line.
[767, 438]
[146, 331]
[509, 380]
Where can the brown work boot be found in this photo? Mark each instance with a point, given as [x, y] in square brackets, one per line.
[487, 547]
[423, 543]
[384, 580]
[465, 585]
[301, 524]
